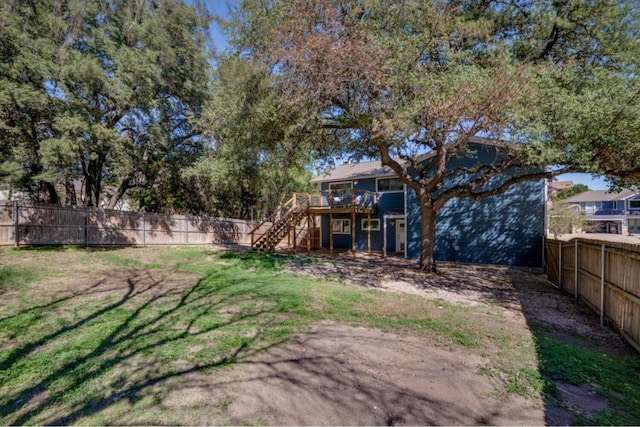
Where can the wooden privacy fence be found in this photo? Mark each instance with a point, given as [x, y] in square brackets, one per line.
[24, 225]
[605, 275]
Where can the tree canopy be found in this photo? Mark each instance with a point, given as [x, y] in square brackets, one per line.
[571, 191]
[100, 92]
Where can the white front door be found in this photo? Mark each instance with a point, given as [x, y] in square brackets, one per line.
[401, 236]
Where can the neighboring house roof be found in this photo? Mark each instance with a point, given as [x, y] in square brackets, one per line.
[561, 185]
[600, 196]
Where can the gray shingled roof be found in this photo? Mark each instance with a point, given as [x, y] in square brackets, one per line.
[351, 171]
[373, 169]
[600, 196]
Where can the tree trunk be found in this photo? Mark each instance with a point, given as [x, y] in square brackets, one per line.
[427, 238]
[48, 193]
[92, 183]
[70, 192]
[124, 186]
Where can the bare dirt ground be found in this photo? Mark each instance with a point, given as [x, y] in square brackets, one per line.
[335, 374]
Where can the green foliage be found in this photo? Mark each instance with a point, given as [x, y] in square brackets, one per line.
[262, 149]
[563, 219]
[571, 191]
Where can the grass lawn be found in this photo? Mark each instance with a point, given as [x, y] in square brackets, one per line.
[82, 331]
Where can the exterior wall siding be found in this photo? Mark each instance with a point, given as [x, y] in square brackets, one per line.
[505, 229]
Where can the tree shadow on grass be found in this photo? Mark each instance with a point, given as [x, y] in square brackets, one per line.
[113, 350]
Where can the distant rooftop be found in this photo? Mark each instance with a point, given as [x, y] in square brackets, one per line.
[601, 196]
[561, 185]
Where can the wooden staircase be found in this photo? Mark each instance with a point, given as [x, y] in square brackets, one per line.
[279, 229]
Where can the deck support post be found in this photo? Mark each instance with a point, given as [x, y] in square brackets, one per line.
[353, 232]
[295, 239]
[331, 234]
[369, 233]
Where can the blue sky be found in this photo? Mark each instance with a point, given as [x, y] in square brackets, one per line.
[591, 181]
[220, 8]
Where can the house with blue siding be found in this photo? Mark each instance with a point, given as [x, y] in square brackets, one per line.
[608, 211]
[503, 229]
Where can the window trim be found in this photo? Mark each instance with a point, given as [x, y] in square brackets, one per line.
[344, 221]
[373, 220]
[388, 191]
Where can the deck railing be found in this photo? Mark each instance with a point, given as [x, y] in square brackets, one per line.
[350, 198]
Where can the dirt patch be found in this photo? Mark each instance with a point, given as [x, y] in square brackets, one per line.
[522, 294]
[335, 374]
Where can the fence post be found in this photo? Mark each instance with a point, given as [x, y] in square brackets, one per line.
[86, 227]
[186, 229]
[144, 232]
[575, 277]
[244, 233]
[602, 273]
[16, 219]
[560, 265]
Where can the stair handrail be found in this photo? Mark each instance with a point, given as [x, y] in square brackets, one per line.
[291, 204]
[271, 218]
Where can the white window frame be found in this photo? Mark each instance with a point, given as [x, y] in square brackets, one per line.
[373, 221]
[344, 228]
[388, 191]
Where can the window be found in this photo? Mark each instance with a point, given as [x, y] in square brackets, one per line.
[340, 193]
[389, 184]
[374, 224]
[341, 226]
[341, 185]
[634, 204]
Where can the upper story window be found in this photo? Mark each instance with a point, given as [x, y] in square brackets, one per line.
[634, 204]
[340, 185]
[340, 193]
[389, 184]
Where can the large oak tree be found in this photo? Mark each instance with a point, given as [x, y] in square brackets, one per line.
[550, 82]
